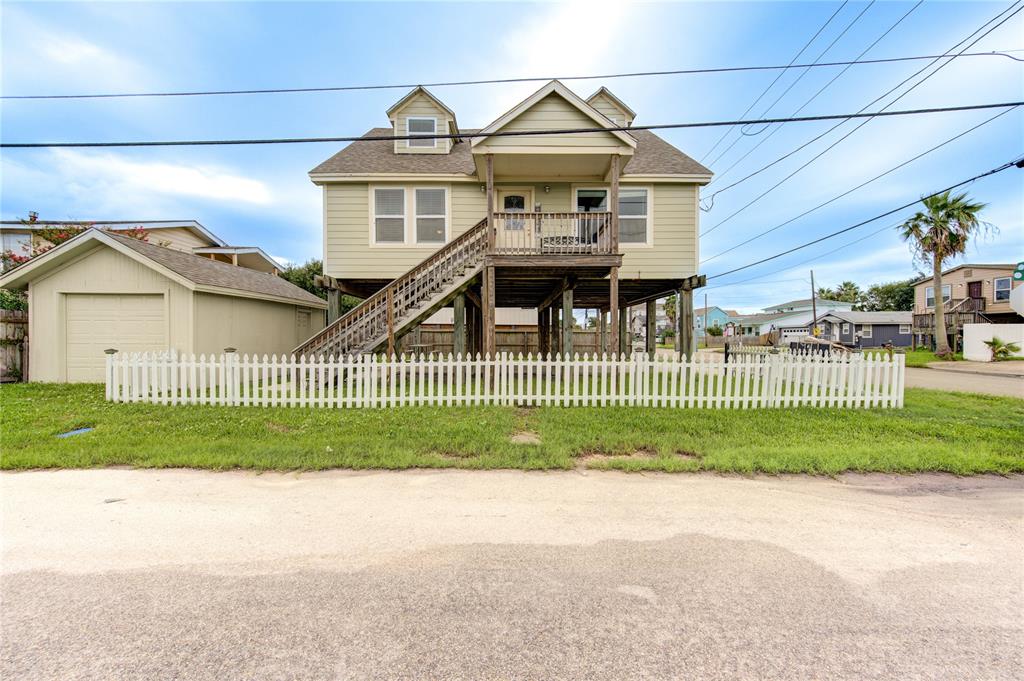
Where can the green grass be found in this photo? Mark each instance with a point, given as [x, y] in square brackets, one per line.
[922, 356]
[936, 431]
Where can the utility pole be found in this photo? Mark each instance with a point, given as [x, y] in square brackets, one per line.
[814, 308]
[706, 321]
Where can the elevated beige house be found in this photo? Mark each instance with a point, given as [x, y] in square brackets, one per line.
[971, 294]
[102, 289]
[556, 205]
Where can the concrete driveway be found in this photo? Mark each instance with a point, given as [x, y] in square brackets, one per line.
[966, 381]
[509, 575]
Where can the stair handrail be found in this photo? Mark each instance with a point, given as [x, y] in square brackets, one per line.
[406, 290]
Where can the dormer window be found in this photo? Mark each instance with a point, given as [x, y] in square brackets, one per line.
[422, 126]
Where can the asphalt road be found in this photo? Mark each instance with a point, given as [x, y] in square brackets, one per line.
[966, 382]
[119, 574]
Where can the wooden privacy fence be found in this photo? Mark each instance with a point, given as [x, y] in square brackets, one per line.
[751, 381]
[13, 345]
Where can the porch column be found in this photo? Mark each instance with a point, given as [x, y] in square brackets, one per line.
[556, 329]
[613, 203]
[651, 337]
[625, 346]
[491, 227]
[333, 305]
[487, 298]
[613, 311]
[459, 327]
[567, 322]
[687, 345]
[678, 342]
[602, 325]
[542, 331]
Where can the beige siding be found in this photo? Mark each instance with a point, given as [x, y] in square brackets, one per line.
[252, 326]
[554, 113]
[609, 109]
[100, 271]
[178, 238]
[421, 106]
[958, 281]
[349, 255]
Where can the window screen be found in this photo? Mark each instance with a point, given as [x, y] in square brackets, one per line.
[633, 216]
[422, 126]
[389, 215]
[430, 215]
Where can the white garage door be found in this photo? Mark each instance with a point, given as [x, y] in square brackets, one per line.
[95, 322]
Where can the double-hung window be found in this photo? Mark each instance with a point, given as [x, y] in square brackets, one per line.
[904, 329]
[865, 331]
[422, 126]
[633, 207]
[430, 215]
[846, 329]
[929, 295]
[389, 215]
[1001, 289]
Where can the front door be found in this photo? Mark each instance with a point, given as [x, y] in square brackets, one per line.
[974, 289]
[514, 233]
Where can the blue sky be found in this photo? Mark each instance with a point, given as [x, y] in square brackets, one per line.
[262, 195]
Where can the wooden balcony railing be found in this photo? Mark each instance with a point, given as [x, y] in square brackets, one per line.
[522, 233]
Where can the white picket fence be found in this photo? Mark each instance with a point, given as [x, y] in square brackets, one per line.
[752, 381]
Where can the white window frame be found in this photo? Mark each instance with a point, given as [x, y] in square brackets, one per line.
[995, 289]
[846, 328]
[905, 329]
[865, 331]
[373, 217]
[945, 297]
[410, 133]
[447, 216]
[649, 243]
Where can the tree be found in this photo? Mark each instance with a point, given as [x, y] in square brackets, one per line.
[670, 310]
[937, 233]
[847, 292]
[896, 295]
[304, 277]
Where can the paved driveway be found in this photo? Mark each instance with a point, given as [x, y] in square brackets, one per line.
[502, 575]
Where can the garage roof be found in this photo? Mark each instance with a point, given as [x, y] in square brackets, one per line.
[193, 271]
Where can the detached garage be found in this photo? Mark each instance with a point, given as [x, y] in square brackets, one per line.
[102, 290]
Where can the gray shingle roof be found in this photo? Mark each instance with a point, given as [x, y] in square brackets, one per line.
[884, 317]
[653, 156]
[206, 272]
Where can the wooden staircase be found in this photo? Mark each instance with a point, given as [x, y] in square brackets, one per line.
[406, 301]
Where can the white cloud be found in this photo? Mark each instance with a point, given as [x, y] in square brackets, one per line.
[117, 174]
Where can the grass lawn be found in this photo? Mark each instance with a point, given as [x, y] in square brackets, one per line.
[936, 431]
[922, 356]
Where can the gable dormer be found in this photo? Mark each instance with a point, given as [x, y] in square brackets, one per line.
[421, 113]
[611, 106]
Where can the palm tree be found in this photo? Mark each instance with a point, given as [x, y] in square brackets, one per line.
[937, 233]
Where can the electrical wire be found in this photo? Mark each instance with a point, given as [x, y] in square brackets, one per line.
[506, 133]
[1019, 163]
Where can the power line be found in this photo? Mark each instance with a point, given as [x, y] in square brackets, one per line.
[1019, 163]
[793, 84]
[720, 175]
[859, 186]
[499, 81]
[841, 139]
[506, 133]
[776, 80]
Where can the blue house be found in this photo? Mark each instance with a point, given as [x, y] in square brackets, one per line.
[711, 316]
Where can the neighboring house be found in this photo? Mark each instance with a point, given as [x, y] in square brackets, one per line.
[550, 221]
[807, 305]
[712, 316]
[21, 238]
[971, 294]
[866, 329]
[103, 290]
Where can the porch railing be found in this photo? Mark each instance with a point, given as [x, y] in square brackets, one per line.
[527, 233]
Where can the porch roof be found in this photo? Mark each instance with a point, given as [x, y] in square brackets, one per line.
[653, 156]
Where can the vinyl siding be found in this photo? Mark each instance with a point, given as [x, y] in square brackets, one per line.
[609, 109]
[958, 281]
[349, 255]
[421, 106]
[101, 270]
[554, 113]
[251, 326]
[178, 238]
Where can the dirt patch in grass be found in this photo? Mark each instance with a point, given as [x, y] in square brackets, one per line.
[586, 459]
[688, 456]
[525, 437]
[278, 427]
